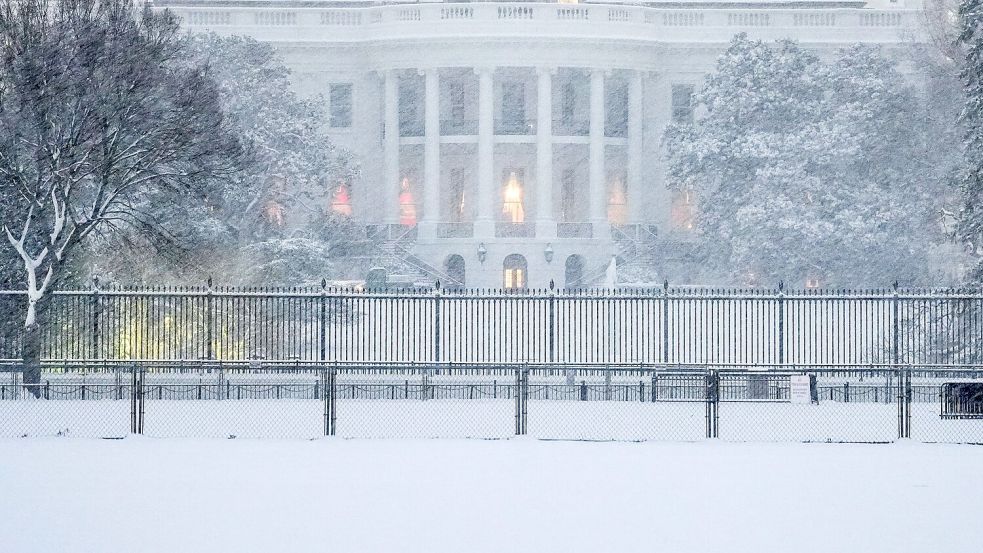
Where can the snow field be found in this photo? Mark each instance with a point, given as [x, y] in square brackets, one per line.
[435, 496]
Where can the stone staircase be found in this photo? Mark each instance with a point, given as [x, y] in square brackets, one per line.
[392, 252]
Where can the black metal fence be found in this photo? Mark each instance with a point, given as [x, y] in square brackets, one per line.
[579, 402]
[662, 325]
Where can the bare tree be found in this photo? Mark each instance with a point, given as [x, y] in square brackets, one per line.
[101, 119]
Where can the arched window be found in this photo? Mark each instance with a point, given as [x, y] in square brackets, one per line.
[454, 267]
[515, 272]
[573, 272]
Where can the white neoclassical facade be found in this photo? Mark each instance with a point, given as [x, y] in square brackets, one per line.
[514, 144]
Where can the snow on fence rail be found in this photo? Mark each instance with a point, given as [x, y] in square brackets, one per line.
[641, 402]
[661, 325]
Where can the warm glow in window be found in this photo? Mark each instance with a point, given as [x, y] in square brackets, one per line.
[341, 201]
[514, 272]
[407, 206]
[515, 278]
[512, 204]
[617, 203]
[567, 1]
[274, 213]
[683, 210]
[812, 282]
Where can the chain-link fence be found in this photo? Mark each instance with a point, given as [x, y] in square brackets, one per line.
[575, 402]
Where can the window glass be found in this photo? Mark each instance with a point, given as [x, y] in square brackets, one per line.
[682, 103]
[341, 105]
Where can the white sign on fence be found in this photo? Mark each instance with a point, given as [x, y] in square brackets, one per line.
[799, 389]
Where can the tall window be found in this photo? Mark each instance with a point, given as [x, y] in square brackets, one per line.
[410, 112]
[340, 96]
[617, 109]
[568, 103]
[341, 200]
[513, 104]
[514, 272]
[512, 197]
[568, 196]
[455, 199]
[458, 102]
[682, 103]
[682, 210]
[407, 204]
[617, 201]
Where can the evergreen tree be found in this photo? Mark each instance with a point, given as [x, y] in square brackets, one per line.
[808, 170]
[971, 217]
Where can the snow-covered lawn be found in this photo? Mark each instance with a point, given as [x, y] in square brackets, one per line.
[335, 495]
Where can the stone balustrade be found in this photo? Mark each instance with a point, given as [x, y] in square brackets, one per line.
[522, 19]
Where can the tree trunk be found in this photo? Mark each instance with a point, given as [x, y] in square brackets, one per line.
[32, 344]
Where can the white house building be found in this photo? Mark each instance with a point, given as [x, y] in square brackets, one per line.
[514, 144]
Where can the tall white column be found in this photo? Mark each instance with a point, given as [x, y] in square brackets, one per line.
[431, 154]
[545, 225]
[636, 139]
[598, 188]
[391, 146]
[484, 226]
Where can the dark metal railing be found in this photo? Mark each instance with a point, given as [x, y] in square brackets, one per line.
[673, 326]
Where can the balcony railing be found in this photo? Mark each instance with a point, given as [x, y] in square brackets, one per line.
[458, 127]
[282, 21]
[411, 128]
[515, 126]
[566, 127]
[455, 230]
[515, 230]
[574, 230]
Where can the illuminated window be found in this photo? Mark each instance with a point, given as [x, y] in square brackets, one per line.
[682, 103]
[407, 205]
[340, 96]
[514, 269]
[512, 206]
[617, 202]
[683, 210]
[455, 198]
[341, 201]
[274, 213]
[812, 282]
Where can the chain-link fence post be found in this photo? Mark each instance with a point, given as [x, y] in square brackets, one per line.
[329, 378]
[521, 399]
[133, 399]
[141, 398]
[712, 402]
[907, 402]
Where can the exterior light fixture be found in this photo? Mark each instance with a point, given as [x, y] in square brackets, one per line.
[482, 252]
[548, 252]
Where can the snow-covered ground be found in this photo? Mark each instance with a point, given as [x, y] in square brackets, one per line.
[148, 495]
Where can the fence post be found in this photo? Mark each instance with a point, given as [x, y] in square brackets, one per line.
[323, 318]
[895, 327]
[141, 399]
[552, 323]
[712, 402]
[907, 403]
[781, 323]
[96, 312]
[436, 326]
[209, 321]
[665, 322]
[133, 399]
[329, 377]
